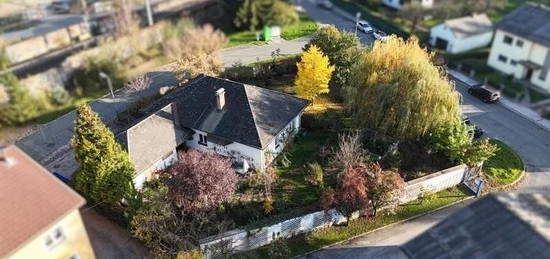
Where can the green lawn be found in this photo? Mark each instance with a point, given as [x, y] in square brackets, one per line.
[504, 167]
[317, 239]
[305, 26]
[61, 110]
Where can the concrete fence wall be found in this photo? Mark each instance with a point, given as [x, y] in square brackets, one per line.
[239, 240]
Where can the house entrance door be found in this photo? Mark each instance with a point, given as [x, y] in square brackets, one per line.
[528, 74]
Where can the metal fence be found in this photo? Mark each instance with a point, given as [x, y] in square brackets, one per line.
[239, 240]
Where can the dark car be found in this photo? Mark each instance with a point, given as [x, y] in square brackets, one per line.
[484, 94]
[476, 131]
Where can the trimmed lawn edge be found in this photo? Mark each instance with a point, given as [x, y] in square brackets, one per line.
[515, 182]
[389, 225]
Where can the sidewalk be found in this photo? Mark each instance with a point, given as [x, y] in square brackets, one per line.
[517, 108]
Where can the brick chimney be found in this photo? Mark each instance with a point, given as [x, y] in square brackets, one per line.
[220, 99]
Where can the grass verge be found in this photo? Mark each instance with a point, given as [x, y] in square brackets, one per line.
[504, 168]
[305, 26]
[318, 239]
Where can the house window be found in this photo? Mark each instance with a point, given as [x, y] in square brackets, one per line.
[508, 40]
[519, 43]
[202, 140]
[543, 74]
[513, 62]
[54, 238]
[502, 58]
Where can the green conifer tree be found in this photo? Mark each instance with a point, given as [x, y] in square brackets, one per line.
[105, 173]
[21, 106]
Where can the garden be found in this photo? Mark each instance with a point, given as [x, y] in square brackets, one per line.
[359, 145]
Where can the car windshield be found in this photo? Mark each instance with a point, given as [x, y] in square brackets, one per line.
[363, 23]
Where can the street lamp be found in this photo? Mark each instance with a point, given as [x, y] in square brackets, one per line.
[357, 16]
[109, 82]
[149, 12]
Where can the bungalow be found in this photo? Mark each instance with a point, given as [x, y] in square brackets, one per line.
[247, 123]
[398, 4]
[462, 34]
[40, 214]
[521, 46]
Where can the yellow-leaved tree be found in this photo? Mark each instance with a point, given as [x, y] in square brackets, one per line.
[314, 73]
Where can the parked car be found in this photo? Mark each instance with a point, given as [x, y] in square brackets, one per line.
[380, 35]
[476, 131]
[326, 4]
[364, 26]
[59, 7]
[484, 94]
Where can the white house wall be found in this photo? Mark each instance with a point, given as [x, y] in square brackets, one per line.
[252, 155]
[397, 5]
[529, 51]
[455, 45]
[161, 164]
[272, 151]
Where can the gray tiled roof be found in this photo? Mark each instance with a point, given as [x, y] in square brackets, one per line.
[470, 25]
[152, 138]
[252, 115]
[528, 21]
[506, 225]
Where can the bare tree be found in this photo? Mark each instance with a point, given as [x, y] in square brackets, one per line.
[349, 151]
[139, 83]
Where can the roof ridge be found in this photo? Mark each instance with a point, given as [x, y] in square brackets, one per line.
[253, 114]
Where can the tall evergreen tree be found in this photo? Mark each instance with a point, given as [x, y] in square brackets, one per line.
[21, 106]
[105, 173]
[254, 14]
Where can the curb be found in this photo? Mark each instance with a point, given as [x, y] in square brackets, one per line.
[529, 118]
[387, 226]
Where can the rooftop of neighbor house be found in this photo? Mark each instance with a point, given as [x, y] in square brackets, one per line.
[530, 21]
[503, 225]
[32, 199]
[154, 136]
[467, 26]
[250, 115]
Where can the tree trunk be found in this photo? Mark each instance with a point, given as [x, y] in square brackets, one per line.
[413, 25]
[374, 210]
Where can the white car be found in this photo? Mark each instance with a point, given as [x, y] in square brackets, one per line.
[364, 26]
[326, 4]
[380, 35]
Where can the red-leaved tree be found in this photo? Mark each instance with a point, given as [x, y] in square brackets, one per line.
[384, 187]
[200, 180]
[350, 196]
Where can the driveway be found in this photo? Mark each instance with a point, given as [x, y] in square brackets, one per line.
[109, 240]
[384, 243]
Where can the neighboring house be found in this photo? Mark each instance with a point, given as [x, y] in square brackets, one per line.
[151, 143]
[503, 225]
[40, 215]
[398, 4]
[521, 45]
[462, 34]
[247, 123]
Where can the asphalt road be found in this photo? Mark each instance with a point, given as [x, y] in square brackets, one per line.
[337, 17]
[384, 243]
[530, 141]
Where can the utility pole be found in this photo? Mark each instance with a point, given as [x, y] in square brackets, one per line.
[84, 7]
[109, 82]
[149, 12]
[357, 16]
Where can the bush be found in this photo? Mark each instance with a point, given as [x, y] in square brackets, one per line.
[59, 96]
[314, 174]
[278, 249]
[86, 80]
[21, 106]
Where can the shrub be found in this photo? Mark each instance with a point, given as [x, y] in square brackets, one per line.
[86, 80]
[314, 174]
[21, 106]
[278, 249]
[59, 96]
